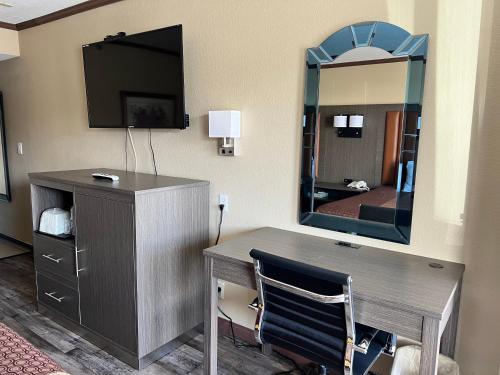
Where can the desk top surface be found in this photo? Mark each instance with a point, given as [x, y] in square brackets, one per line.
[129, 183]
[381, 276]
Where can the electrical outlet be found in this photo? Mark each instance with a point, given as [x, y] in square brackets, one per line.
[220, 288]
[224, 199]
[20, 148]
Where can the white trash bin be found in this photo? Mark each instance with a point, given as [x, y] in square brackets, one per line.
[407, 362]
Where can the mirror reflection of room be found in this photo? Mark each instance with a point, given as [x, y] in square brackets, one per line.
[361, 110]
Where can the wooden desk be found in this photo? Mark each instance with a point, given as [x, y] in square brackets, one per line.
[395, 292]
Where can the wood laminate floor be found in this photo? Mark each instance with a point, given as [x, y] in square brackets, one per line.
[77, 356]
[8, 249]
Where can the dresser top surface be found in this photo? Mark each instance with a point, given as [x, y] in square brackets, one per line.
[389, 277]
[130, 182]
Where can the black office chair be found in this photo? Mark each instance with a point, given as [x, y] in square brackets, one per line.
[309, 311]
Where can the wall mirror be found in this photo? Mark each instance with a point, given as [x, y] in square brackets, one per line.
[361, 128]
[4, 170]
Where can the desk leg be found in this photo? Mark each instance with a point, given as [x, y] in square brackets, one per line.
[210, 355]
[430, 347]
[449, 337]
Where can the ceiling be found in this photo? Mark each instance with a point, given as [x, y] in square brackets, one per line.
[24, 10]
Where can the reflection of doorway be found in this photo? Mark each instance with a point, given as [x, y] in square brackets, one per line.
[392, 144]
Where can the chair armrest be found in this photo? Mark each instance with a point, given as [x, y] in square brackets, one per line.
[341, 298]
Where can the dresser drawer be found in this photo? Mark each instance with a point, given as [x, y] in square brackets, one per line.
[58, 296]
[54, 255]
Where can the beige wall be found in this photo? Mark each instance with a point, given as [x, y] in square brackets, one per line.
[481, 301]
[249, 55]
[364, 84]
[9, 44]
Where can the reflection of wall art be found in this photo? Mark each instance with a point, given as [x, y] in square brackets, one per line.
[148, 110]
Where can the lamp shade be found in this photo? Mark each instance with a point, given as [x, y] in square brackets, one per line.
[340, 121]
[224, 124]
[356, 121]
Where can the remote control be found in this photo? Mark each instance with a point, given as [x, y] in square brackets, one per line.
[105, 176]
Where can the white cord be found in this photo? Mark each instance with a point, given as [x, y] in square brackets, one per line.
[133, 148]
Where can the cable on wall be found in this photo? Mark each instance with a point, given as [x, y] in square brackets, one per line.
[221, 208]
[133, 149]
[152, 152]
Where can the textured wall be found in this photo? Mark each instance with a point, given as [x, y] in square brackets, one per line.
[9, 44]
[249, 55]
[481, 298]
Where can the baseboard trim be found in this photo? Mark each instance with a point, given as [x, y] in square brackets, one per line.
[17, 242]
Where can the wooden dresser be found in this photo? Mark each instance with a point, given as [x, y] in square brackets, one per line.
[131, 279]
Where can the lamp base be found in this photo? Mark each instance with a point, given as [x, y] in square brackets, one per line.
[349, 132]
[228, 147]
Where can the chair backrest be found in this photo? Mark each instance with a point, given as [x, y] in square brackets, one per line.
[305, 309]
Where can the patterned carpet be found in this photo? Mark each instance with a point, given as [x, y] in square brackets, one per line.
[19, 357]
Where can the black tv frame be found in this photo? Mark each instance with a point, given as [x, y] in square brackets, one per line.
[120, 36]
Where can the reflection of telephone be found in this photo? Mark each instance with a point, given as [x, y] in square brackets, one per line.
[359, 185]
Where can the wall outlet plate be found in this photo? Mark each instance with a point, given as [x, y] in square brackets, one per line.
[224, 199]
[220, 288]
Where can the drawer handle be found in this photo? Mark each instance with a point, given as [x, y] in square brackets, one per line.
[49, 257]
[51, 295]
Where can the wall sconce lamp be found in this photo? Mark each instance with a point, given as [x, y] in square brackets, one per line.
[340, 121]
[348, 128]
[225, 125]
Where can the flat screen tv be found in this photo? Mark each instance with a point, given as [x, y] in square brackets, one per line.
[136, 80]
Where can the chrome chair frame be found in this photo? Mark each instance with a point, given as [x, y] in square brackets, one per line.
[345, 298]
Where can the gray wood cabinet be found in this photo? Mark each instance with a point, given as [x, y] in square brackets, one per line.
[131, 279]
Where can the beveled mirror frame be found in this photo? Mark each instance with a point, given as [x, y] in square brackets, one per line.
[393, 42]
[3, 154]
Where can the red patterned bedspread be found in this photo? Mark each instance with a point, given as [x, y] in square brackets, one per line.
[19, 357]
[383, 196]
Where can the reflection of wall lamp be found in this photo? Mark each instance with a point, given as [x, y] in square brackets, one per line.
[348, 128]
[226, 126]
[340, 121]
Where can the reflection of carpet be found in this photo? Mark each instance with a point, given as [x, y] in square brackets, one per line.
[9, 249]
[19, 357]
[382, 196]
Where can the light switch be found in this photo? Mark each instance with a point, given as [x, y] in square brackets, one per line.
[20, 148]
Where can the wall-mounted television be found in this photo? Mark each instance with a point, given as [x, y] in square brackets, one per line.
[136, 80]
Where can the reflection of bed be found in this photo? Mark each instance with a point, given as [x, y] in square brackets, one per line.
[383, 196]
